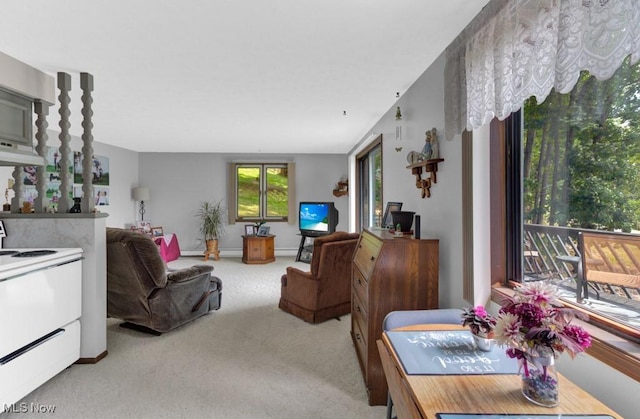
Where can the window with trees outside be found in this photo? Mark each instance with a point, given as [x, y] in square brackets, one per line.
[579, 171]
[262, 192]
[369, 181]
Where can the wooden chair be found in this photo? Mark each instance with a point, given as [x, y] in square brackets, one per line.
[610, 260]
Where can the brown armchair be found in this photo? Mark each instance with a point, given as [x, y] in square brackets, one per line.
[141, 292]
[325, 292]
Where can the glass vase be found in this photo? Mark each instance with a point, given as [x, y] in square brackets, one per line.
[540, 380]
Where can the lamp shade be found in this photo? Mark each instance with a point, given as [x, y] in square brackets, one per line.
[141, 194]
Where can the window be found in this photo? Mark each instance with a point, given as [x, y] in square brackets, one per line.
[369, 181]
[262, 192]
[574, 163]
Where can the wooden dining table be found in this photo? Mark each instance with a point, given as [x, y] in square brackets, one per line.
[426, 395]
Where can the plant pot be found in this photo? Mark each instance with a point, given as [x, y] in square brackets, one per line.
[540, 380]
[212, 250]
[483, 343]
[404, 218]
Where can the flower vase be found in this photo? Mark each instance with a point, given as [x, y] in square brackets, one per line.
[540, 380]
[483, 343]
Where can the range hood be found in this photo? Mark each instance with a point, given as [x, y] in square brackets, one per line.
[12, 156]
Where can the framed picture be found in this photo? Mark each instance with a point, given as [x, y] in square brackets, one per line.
[249, 230]
[157, 231]
[264, 231]
[144, 226]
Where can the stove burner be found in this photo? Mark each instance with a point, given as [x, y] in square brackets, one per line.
[8, 252]
[33, 253]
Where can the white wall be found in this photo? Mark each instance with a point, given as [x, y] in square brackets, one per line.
[422, 109]
[123, 176]
[178, 182]
[441, 214]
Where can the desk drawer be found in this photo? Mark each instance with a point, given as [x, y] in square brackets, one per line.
[359, 342]
[360, 286]
[359, 316]
[367, 253]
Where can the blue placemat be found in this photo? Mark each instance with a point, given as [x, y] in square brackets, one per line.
[516, 416]
[448, 353]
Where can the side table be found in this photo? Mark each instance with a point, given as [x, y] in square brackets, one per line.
[258, 249]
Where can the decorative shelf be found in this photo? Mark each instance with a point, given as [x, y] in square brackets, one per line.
[425, 166]
[342, 188]
[339, 193]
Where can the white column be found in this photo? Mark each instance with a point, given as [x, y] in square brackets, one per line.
[64, 84]
[86, 84]
[42, 110]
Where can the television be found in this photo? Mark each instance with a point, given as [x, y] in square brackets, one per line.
[317, 218]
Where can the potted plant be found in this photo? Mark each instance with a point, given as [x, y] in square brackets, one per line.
[211, 215]
[481, 323]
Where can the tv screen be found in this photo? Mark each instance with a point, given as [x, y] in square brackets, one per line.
[317, 218]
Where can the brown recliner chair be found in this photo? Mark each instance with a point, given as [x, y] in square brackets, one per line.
[141, 292]
[325, 292]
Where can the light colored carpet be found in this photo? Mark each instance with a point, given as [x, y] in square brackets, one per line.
[247, 360]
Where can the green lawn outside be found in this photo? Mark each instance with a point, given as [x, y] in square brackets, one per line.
[249, 192]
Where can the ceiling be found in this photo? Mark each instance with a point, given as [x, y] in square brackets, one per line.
[286, 76]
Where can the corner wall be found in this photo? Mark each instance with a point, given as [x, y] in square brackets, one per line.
[422, 109]
[441, 218]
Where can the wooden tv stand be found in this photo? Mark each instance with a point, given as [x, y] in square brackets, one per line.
[305, 250]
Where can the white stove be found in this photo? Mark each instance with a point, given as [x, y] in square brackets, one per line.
[18, 261]
[40, 308]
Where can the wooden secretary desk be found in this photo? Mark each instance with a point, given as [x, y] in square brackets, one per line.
[388, 273]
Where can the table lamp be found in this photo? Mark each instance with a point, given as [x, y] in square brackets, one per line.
[141, 194]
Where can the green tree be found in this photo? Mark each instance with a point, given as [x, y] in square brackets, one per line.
[582, 154]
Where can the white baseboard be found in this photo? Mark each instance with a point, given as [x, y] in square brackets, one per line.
[237, 253]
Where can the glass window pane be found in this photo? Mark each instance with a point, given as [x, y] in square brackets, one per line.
[248, 179]
[277, 202]
[377, 187]
[581, 170]
[365, 192]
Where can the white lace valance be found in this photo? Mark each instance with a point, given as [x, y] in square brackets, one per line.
[523, 48]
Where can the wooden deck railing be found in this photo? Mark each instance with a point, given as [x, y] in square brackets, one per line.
[542, 247]
[611, 265]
